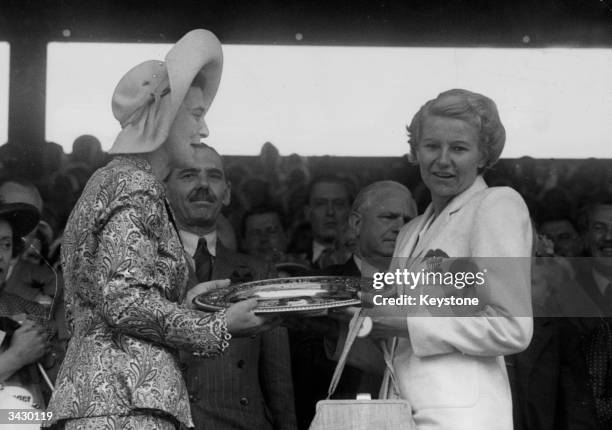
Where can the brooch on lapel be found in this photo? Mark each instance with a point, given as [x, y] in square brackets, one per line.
[433, 259]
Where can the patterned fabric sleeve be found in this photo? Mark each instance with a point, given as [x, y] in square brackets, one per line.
[130, 276]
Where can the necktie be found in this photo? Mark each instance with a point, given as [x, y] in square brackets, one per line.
[203, 261]
[325, 259]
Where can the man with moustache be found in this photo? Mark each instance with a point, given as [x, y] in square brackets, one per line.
[578, 355]
[250, 385]
[592, 337]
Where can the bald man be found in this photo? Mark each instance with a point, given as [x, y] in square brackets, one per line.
[377, 215]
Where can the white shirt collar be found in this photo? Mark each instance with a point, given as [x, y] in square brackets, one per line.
[12, 265]
[601, 281]
[190, 242]
[317, 250]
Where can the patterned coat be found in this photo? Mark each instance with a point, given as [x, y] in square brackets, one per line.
[125, 275]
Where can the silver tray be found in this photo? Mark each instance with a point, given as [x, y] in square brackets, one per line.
[304, 294]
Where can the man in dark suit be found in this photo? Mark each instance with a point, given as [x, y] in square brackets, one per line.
[563, 380]
[378, 213]
[250, 386]
[264, 236]
[587, 351]
[329, 203]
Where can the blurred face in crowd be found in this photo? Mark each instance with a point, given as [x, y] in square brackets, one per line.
[188, 129]
[264, 235]
[327, 210]
[6, 248]
[564, 236]
[14, 192]
[198, 190]
[449, 157]
[599, 237]
[32, 250]
[378, 223]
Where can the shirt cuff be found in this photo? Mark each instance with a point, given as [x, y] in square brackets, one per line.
[219, 329]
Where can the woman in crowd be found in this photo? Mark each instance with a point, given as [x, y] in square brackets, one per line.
[125, 271]
[448, 363]
[27, 341]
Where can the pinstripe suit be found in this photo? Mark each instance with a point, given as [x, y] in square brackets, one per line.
[249, 386]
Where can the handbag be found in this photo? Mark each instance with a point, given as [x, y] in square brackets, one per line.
[381, 414]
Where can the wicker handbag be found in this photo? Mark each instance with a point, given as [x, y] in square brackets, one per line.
[382, 414]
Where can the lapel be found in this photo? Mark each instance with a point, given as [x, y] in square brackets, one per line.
[226, 265]
[173, 221]
[236, 267]
[222, 265]
[543, 334]
[415, 239]
[193, 279]
[587, 282]
[437, 227]
[350, 268]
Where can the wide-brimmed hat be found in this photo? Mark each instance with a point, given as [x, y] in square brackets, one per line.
[22, 217]
[147, 98]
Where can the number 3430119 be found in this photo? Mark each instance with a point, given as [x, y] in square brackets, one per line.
[28, 416]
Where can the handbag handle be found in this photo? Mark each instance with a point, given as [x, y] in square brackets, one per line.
[353, 329]
[389, 375]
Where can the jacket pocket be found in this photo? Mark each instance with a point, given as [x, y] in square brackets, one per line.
[443, 381]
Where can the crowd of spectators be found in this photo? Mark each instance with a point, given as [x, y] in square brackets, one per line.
[272, 215]
[554, 190]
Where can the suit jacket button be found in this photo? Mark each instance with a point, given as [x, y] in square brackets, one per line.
[244, 401]
[241, 364]
[193, 398]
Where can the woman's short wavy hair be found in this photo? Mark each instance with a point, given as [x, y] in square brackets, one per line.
[473, 108]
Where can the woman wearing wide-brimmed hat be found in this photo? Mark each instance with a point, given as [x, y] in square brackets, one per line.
[123, 261]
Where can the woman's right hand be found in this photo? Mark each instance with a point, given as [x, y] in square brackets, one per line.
[242, 321]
